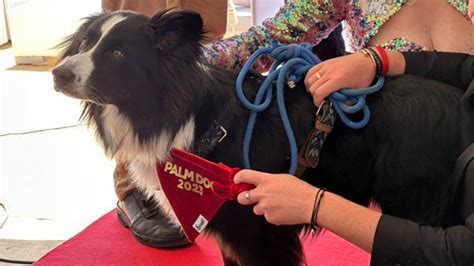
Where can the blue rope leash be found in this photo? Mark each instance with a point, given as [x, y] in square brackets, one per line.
[291, 64]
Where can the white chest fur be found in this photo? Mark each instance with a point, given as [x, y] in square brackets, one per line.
[143, 156]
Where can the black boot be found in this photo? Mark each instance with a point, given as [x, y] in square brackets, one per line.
[148, 223]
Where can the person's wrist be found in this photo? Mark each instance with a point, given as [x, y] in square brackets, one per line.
[368, 62]
[397, 64]
[368, 65]
[314, 214]
[384, 59]
[310, 205]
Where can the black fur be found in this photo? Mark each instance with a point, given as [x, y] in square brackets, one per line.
[402, 159]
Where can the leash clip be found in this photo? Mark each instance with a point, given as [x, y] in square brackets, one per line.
[322, 107]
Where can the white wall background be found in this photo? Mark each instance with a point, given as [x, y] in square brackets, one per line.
[263, 9]
[37, 26]
[56, 182]
[53, 183]
[3, 24]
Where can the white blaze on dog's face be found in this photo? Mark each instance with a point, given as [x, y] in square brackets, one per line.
[105, 54]
[74, 73]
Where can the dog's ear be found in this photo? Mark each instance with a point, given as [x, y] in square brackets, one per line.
[175, 28]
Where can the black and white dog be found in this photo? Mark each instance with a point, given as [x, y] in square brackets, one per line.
[146, 88]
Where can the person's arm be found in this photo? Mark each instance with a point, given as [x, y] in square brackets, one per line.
[402, 242]
[334, 74]
[296, 22]
[399, 241]
[452, 68]
[338, 73]
[284, 199]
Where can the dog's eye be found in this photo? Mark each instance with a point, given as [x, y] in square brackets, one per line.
[117, 54]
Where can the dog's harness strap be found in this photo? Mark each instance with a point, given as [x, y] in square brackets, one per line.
[210, 139]
[308, 157]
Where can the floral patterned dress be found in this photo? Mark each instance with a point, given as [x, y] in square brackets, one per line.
[311, 21]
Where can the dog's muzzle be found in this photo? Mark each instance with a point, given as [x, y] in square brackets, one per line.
[65, 81]
[62, 77]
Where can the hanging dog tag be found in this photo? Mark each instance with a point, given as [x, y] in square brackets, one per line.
[196, 188]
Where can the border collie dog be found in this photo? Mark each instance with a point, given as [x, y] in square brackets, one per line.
[146, 88]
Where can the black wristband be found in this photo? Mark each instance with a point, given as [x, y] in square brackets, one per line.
[313, 225]
[314, 215]
[377, 60]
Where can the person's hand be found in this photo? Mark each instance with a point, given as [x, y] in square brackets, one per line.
[350, 71]
[281, 198]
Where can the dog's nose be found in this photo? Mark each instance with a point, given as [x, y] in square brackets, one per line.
[63, 76]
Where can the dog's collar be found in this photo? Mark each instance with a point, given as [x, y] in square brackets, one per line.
[209, 140]
[308, 157]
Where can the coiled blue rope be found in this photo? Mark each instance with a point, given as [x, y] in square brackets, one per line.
[291, 63]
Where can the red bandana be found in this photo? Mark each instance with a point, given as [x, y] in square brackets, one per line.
[196, 188]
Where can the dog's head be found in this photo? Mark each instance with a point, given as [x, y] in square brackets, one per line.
[134, 74]
[117, 58]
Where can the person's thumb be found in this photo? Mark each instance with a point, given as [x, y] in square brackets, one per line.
[248, 176]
